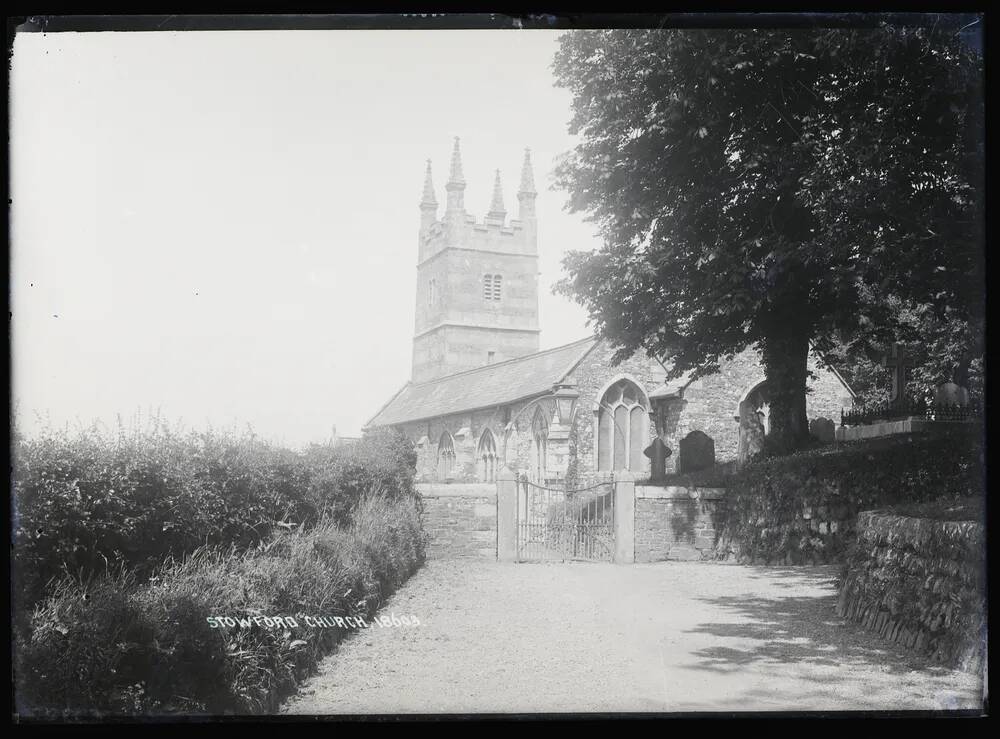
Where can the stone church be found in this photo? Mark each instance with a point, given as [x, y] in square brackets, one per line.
[482, 395]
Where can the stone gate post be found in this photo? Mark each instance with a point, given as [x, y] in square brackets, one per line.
[506, 516]
[624, 518]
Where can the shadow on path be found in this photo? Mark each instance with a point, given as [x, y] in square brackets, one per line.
[797, 629]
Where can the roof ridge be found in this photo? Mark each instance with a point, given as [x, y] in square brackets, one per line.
[506, 361]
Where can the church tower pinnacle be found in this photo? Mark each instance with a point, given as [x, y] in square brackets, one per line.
[497, 212]
[526, 193]
[456, 183]
[428, 198]
[428, 203]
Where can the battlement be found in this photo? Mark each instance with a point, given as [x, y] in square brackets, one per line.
[487, 234]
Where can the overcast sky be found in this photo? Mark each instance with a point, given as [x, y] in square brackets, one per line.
[223, 226]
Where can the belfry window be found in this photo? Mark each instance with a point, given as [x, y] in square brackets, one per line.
[491, 287]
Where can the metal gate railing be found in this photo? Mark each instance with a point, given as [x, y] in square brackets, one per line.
[559, 525]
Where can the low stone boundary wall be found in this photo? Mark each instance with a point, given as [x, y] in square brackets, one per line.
[460, 520]
[675, 522]
[920, 583]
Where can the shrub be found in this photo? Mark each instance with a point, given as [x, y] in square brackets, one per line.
[90, 501]
[117, 646]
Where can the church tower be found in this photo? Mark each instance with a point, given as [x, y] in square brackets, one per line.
[477, 282]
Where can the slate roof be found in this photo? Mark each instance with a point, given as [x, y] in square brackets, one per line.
[483, 387]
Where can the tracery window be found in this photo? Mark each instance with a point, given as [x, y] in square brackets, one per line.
[622, 427]
[446, 456]
[539, 445]
[486, 456]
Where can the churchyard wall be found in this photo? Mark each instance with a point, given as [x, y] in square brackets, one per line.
[460, 520]
[803, 508]
[676, 522]
[921, 582]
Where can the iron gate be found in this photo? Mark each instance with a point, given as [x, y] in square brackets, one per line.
[557, 525]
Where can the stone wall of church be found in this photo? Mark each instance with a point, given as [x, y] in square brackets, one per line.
[709, 405]
[466, 430]
[593, 376]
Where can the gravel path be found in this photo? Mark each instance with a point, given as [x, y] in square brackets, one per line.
[679, 636]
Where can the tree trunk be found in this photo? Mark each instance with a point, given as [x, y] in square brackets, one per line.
[785, 359]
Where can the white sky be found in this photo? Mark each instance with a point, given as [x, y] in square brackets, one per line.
[223, 226]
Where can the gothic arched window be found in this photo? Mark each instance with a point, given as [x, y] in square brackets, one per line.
[539, 445]
[622, 427]
[432, 293]
[486, 457]
[510, 446]
[446, 456]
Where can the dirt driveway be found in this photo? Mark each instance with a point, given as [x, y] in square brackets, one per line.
[592, 637]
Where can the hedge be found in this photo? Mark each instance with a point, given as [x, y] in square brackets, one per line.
[115, 646]
[90, 502]
[803, 507]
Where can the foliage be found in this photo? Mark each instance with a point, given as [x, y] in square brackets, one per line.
[803, 507]
[941, 349]
[771, 188]
[114, 646]
[921, 582]
[93, 502]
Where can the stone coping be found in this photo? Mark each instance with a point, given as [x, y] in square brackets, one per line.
[646, 490]
[457, 490]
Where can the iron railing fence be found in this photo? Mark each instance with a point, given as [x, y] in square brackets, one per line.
[875, 412]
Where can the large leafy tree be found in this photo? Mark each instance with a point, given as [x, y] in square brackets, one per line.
[773, 189]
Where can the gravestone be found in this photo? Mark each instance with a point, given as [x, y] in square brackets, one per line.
[697, 452]
[898, 362]
[951, 394]
[657, 453]
[823, 429]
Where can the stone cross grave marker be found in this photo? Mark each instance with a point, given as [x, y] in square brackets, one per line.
[657, 453]
[898, 362]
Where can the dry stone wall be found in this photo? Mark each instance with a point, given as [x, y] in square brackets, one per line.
[920, 583]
